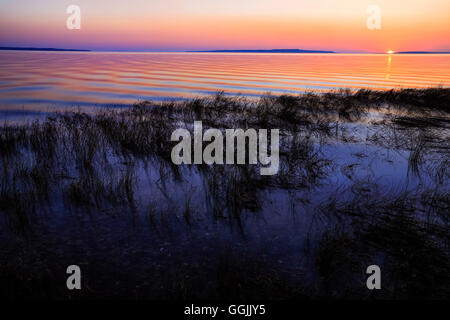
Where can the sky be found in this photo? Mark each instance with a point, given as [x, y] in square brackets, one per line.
[179, 25]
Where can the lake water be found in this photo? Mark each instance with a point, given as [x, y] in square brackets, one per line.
[35, 81]
[101, 192]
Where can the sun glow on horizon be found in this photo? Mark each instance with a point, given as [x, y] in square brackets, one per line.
[179, 25]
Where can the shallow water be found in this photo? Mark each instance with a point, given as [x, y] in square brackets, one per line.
[349, 197]
[41, 80]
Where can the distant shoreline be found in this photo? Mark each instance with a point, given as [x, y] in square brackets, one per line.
[422, 52]
[264, 51]
[218, 51]
[41, 49]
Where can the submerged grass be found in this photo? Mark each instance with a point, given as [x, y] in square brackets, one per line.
[116, 164]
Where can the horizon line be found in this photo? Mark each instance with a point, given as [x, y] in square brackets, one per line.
[287, 50]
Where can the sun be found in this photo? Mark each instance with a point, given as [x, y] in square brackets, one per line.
[390, 51]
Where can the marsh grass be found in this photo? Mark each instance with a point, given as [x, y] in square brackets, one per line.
[116, 164]
[394, 231]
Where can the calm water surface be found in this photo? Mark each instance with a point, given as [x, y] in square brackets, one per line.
[36, 81]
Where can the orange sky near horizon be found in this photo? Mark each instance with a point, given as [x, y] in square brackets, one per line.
[177, 25]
